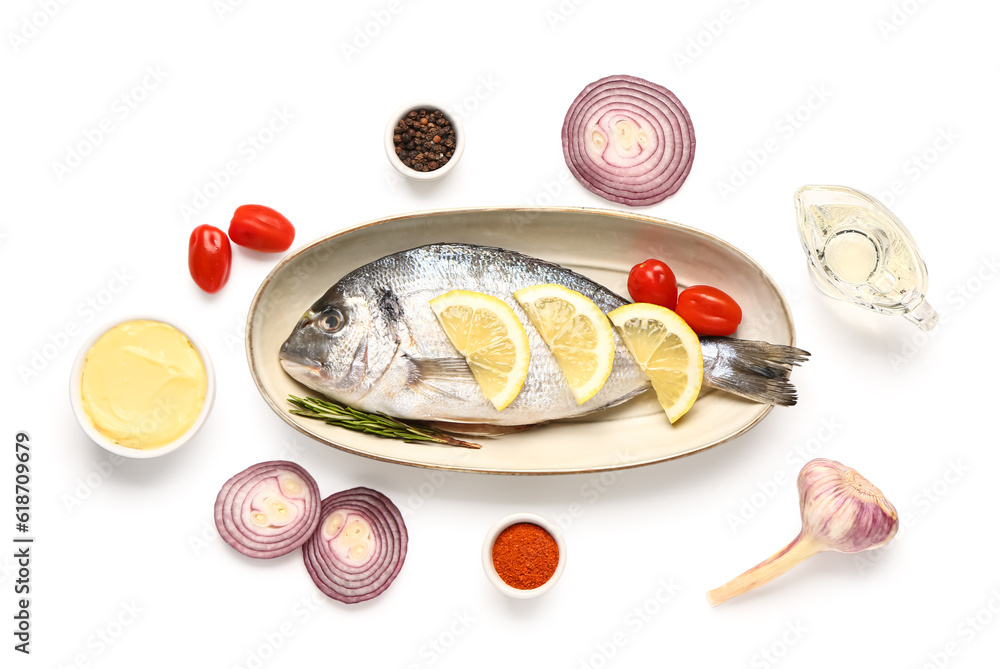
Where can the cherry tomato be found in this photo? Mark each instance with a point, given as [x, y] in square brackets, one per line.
[209, 258]
[709, 311]
[653, 282]
[261, 228]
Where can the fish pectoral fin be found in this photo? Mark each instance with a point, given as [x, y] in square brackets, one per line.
[425, 372]
[442, 369]
[424, 388]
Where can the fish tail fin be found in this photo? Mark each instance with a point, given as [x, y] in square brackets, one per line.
[756, 370]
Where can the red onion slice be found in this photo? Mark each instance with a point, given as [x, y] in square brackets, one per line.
[268, 509]
[628, 140]
[359, 546]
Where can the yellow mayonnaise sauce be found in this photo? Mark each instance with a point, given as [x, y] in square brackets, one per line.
[143, 384]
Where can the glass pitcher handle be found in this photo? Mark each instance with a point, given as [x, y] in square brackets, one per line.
[923, 315]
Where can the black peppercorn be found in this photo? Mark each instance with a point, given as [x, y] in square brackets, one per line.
[424, 139]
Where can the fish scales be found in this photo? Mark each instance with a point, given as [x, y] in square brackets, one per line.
[389, 301]
[373, 342]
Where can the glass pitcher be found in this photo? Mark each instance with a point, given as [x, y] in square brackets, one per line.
[860, 252]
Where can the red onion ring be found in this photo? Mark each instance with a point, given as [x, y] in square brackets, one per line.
[628, 140]
[268, 509]
[359, 546]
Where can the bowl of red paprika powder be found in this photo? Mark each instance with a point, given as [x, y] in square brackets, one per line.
[524, 555]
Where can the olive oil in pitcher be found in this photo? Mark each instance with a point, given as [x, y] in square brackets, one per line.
[860, 252]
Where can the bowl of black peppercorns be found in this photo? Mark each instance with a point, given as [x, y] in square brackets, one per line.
[424, 141]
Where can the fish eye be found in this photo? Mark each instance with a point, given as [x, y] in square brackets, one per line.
[332, 320]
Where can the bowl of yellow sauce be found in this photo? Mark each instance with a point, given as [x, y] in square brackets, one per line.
[142, 387]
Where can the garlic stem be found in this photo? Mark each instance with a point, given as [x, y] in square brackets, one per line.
[799, 549]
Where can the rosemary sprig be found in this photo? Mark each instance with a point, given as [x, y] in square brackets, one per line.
[378, 424]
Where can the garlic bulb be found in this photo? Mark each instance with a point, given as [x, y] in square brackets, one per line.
[841, 511]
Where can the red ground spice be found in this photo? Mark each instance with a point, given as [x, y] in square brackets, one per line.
[525, 556]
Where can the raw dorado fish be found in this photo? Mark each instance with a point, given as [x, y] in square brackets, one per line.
[372, 342]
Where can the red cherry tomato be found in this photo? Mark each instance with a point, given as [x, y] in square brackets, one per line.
[709, 311]
[261, 228]
[653, 282]
[209, 258]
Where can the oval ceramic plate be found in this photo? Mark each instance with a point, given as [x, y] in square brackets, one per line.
[602, 245]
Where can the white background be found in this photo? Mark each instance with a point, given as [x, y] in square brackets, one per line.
[128, 550]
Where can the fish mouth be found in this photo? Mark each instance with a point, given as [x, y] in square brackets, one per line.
[299, 368]
[312, 373]
[286, 354]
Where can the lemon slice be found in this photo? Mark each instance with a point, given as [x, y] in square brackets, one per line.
[576, 331]
[488, 333]
[667, 350]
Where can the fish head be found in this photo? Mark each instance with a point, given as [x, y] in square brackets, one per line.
[341, 346]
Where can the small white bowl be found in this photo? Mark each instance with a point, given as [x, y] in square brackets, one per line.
[137, 453]
[390, 148]
[491, 537]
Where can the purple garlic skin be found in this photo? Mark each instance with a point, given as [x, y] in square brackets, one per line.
[842, 509]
